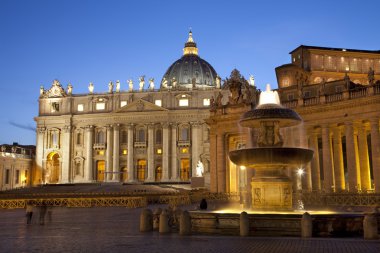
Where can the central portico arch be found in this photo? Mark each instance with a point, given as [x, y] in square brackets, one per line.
[53, 168]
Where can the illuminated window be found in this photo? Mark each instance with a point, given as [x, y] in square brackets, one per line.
[100, 106]
[206, 102]
[80, 107]
[125, 151]
[159, 151]
[184, 150]
[123, 103]
[158, 102]
[54, 107]
[285, 82]
[184, 102]
[17, 177]
[100, 152]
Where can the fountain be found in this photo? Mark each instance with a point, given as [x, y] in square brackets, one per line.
[271, 188]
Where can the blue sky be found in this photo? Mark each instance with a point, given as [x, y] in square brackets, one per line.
[98, 41]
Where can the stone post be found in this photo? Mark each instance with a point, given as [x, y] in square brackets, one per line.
[131, 168]
[327, 162]
[174, 163]
[150, 153]
[370, 226]
[108, 175]
[244, 224]
[375, 147]
[338, 161]
[164, 222]
[146, 221]
[364, 160]
[116, 153]
[89, 138]
[185, 223]
[156, 218]
[165, 152]
[353, 176]
[306, 226]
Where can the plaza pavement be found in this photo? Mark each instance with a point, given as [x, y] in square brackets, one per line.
[116, 229]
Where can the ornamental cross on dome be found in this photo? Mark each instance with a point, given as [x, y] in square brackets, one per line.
[56, 90]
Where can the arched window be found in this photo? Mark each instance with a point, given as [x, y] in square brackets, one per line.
[124, 136]
[141, 135]
[158, 136]
[79, 138]
[100, 137]
[185, 134]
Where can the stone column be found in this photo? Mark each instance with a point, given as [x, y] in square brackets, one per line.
[89, 139]
[108, 176]
[37, 176]
[338, 161]
[116, 153]
[130, 164]
[327, 162]
[353, 176]
[213, 167]
[221, 162]
[174, 162]
[66, 154]
[364, 160]
[195, 147]
[315, 167]
[150, 153]
[375, 147]
[165, 152]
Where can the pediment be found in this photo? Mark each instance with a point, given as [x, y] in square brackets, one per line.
[141, 105]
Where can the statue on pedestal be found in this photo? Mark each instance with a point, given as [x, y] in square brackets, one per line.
[151, 84]
[42, 90]
[164, 83]
[218, 81]
[69, 89]
[110, 87]
[142, 82]
[199, 170]
[117, 86]
[130, 84]
[251, 80]
[91, 88]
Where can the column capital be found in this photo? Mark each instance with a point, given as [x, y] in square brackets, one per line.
[67, 129]
[150, 125]
[374, 121]
[41, 130]
[349, 123]
[195, 123]
[173, 124]
[109, 127]
[131, 126]
[165, 124]
[89, 128]
[116, 126]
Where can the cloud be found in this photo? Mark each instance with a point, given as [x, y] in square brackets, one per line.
[25, 127]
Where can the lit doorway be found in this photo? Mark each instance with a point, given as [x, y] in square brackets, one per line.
[141, 167]
[185, 169]
[52, 168]
[100, 166]
[158, 173]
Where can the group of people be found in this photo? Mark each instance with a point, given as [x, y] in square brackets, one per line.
[43, 210]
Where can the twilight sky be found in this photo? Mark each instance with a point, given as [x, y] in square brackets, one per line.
[82, 41]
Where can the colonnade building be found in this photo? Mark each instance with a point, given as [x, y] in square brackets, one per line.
[337, 93]
[128, 135]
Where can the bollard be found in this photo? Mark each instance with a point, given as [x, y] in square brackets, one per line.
[244, 224]
[370, 226]
[185, 223]
[164, 222]
[156, 218]
[306, 226]
[146, 221]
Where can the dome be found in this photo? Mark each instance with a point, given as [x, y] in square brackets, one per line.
[190, 70]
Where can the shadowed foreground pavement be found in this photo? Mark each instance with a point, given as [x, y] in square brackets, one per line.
[117, 230]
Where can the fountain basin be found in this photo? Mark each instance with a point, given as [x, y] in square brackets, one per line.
[257, 157]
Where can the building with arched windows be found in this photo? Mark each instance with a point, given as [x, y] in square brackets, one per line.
[145, 135]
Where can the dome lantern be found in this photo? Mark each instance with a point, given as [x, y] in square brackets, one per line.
[190, 46]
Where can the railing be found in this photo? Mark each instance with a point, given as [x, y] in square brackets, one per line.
[340, 199]
[311, 101]
[334, 97]
[376, 89]
[183, 143]
[129, 202]
[290, 104]
[140, 144]
[358, 93]
[99, 146]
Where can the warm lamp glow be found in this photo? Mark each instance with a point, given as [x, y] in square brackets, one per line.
[300, 172]
[269, 97]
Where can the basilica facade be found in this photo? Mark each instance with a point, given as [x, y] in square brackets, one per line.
[144, 135]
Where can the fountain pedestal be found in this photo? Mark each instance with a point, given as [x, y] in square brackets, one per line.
[271, 193]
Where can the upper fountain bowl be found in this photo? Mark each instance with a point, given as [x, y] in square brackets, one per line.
[270, 112]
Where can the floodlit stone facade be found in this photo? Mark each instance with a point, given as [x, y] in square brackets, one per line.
[143, 135]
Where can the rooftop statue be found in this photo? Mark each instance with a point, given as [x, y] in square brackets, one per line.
[117, 86]
[91, 88]
[142, 83]
[130, 84]
[164, 83]
[151, 84]
[69, 89]
[251, 80]
[218, 81]
[110, 87]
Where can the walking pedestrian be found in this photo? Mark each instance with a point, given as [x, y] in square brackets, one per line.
[29, 212]
[43, 209]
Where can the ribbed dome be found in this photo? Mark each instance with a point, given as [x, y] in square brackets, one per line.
[190, 70]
